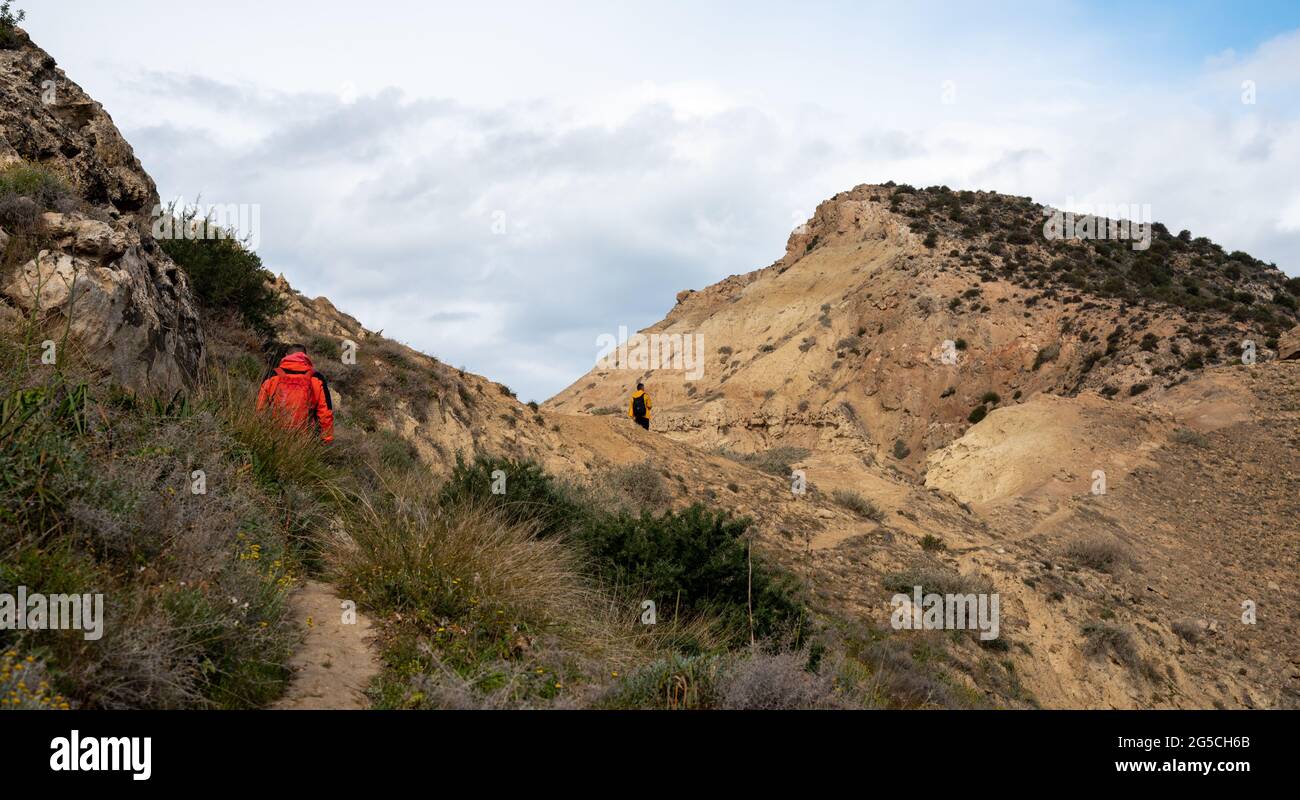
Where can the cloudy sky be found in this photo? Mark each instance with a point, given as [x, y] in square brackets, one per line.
[499, 183]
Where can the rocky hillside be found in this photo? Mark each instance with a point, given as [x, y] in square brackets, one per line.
[81, 241]
[895, 314]
[442, 412]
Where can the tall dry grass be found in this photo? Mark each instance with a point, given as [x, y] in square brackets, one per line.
[485, 601]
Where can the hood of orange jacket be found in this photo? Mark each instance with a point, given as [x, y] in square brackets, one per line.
[296, 362]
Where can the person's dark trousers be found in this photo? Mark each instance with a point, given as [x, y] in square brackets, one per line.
[644, 422]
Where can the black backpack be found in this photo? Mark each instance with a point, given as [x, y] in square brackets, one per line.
[638, 406]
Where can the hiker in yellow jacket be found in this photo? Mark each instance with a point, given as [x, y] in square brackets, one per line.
[638, 408]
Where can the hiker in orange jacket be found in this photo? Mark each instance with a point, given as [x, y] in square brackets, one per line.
[638, 408]
[298, 394]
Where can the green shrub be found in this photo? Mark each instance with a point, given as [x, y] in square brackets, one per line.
[937, 580]
[225, 275]
[47, 189]
[325, 346]
[977, 413]
[676, 682]
[932, 543]
[9, 20]
[530, 495]
[694, 561]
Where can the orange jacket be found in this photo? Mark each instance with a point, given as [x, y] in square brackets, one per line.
[299, 396]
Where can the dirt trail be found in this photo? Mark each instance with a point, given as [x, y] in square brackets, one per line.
[336, 661]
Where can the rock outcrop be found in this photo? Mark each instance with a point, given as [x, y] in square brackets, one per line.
[1288, 344]
[91, 258]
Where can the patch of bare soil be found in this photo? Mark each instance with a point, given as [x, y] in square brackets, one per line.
[337, 659]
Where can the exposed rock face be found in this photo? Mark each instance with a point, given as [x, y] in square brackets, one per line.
[131, 307]
[1288, 344]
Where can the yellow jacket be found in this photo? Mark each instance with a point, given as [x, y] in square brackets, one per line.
[635, 395]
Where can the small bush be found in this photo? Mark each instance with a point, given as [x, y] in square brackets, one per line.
[676, 682]
[977, 413]
[774, 681]
[901, 450]
[937, 580]
[776, 461]
[637, 486]
[1187, 630]
[529, 496]
[1049, 353]
[858, 504]
[1096, 552]
[44, 187]
[24, 684]
[695, 561]
[327, 346]
[18, 214]
[931, 543]
[9, 20]
[1188, 436]
[1105, 638]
